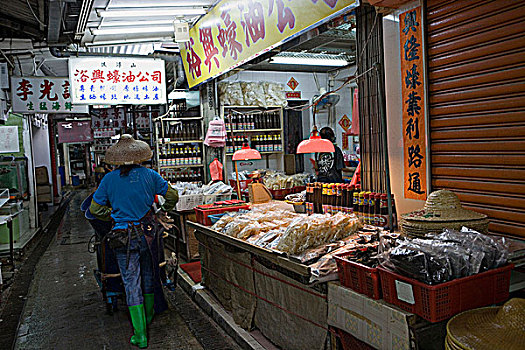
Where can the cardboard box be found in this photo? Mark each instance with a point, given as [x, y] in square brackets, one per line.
[42, 175]
[375, 322]
[43, 189]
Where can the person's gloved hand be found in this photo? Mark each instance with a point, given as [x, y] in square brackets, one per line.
[165, 220]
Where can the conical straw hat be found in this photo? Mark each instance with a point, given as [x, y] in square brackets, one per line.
[489, 328]
[443, 205]
[128, 151]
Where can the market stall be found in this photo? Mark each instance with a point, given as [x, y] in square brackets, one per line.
[270, 265]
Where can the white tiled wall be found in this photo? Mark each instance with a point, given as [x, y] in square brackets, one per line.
[308, 88]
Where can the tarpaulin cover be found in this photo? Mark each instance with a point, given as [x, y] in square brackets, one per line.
[217, 269]
[284, 329]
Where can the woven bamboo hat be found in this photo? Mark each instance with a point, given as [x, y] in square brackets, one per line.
[442, 210]
[128, 151]
[489, 328]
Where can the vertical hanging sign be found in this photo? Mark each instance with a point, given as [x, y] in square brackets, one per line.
[412, 76]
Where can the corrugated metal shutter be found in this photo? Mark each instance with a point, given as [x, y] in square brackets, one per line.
[476, 74]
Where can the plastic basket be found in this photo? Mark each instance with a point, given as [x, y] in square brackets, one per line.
[442, 301]
[202, 212]
[188, 202]
[215, 218]
[361, 278]
[243, 184]
[212, 198]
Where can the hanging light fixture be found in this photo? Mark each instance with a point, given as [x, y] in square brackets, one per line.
[245, 153]
[315, 144]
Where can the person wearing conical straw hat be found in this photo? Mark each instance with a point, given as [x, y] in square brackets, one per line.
[126, 195]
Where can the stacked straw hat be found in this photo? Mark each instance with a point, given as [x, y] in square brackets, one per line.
[128, 151]
[488, 328]
[442, 210]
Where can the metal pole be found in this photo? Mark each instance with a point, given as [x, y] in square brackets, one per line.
[382, 111]
[11, 243]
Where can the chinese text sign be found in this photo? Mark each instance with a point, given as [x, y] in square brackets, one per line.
[236, 31]
[117, 80]
[105, 118]
[412, 83]
[43, 95]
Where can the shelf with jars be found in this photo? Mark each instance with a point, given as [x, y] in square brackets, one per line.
[261, 127]
[179, 145]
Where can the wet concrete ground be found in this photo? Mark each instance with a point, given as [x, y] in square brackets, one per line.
[65, 310]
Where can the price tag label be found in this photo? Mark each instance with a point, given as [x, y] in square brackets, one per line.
[405, 292]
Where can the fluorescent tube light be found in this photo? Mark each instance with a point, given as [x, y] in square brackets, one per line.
[149, 12]
[158, 3]
[133, 30]
[308, 61]
[108, 23]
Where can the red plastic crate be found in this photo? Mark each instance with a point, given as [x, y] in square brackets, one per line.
[361, 278]
[202, 211]
[440, 302]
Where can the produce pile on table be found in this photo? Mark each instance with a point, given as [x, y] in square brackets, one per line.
[312, 240]
[275, 180]
[186, 188]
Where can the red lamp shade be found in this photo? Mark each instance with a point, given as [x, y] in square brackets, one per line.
[246, 153]
[315, 144]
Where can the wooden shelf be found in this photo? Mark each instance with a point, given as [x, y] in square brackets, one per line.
[253, 107]
[181, 166]
[257, 130]
[185, 141]
[179, 119]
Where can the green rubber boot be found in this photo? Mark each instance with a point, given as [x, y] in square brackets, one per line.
[148, 307]
[138, 319]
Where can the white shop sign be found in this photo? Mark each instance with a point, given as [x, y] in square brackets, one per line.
[117, 80]
[43, 95]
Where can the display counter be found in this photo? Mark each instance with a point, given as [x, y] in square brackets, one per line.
[264, 289]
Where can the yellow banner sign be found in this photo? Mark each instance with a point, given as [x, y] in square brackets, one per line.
[236, 31]
[412, 84]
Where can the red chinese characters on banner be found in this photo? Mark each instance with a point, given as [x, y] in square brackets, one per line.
[24, 88]
[65, 90]
[81, 75]
[208, 45]
[252, 21]
[113, 77]
[285, 16]
[193, 60]
[228, 36]
[45, 90]
[330, 3]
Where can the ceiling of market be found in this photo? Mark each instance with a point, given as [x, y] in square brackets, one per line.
[132, 27]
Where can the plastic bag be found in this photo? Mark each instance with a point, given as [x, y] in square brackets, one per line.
[235, 94]
[253, 94]
[445, 256]
[216, 170]
[275, 94]
[216, 134]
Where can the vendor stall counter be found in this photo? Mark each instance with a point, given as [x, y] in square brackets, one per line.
[266, 290]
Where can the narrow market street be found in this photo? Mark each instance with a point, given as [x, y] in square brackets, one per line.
[65, 310]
